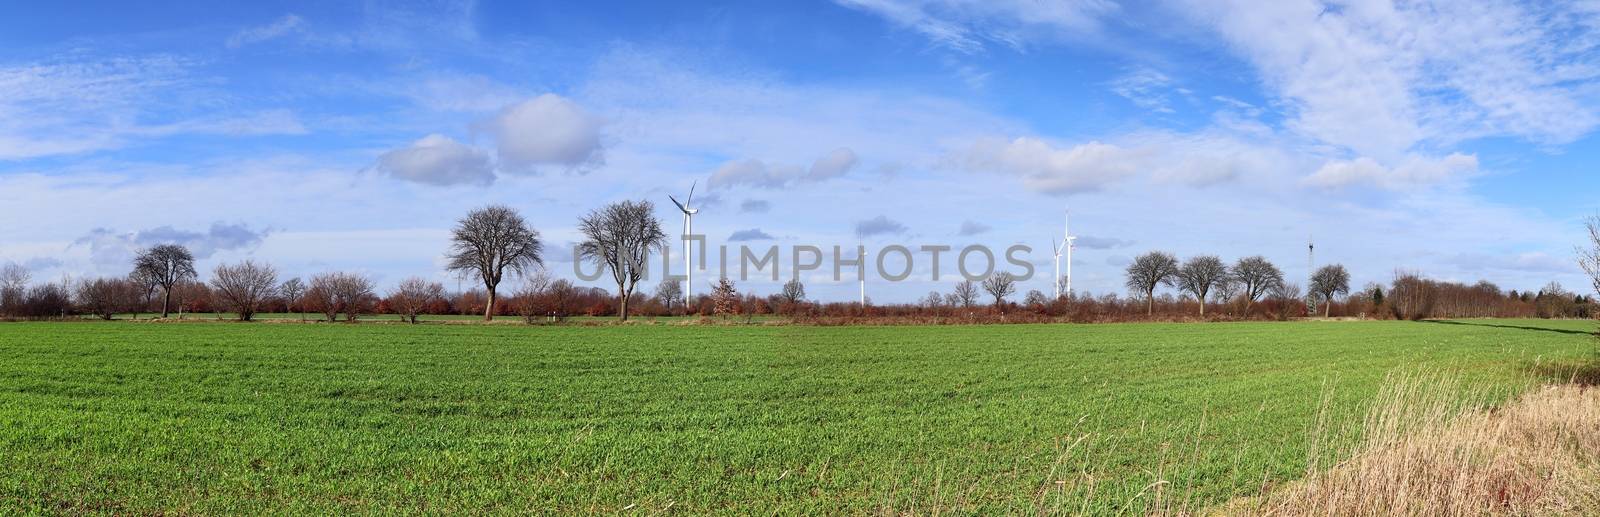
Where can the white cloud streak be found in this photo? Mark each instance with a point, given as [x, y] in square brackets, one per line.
[288, 24]
[1411, 172]
[970, 25]
[1380, 79]
[77, 107]
[1373, 81]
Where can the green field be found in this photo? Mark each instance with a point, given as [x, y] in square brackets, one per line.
[218, 418]
[428, 318]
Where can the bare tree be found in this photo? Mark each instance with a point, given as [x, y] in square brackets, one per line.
[105, 297]
[1287, 297]
[620, 238]
[1411, 296]
[1036, 300]
[1554, 301]
[792, 294]
[966, 294]
[323, 295]
[412, 295]
[1330, 281]
[1000, 285]
[1149, 271]
[1199, 275]
[243, 287]
[13, 288]
[490, 240]
[1225, 291]
[145, 287]
[1256, 277]
[292, 290]
[933, 300]
[354, 294]
[190, 296]
[670, 293]
[165, 266]
[48, 300]
[562, 296]
[1589, 255]
[533, 296]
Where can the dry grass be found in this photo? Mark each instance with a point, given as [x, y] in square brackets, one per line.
[1423, 454]
[1422, 448]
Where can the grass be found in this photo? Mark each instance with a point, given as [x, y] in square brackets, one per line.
[256, 418]
[1424, 453]
[425, 318]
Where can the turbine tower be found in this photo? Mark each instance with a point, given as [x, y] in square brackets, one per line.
[1057, 279]
[1068, 239]
[1065, 244]
[862, 249]
[688, 229]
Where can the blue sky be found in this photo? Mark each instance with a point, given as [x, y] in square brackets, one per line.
[1456, 138]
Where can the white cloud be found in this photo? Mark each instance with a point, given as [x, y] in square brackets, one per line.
[1412, 172]
[438, 160]
[755, 173]
[546, 130]
[288, 24]
[753, 234]
[1229, 152]
[880, 225]
[1050, 169]
[832, 165]
[970, 228]
[1146, 88]
[1236, 104]
[754, 206]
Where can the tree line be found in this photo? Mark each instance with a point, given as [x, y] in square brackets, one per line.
[494, 244]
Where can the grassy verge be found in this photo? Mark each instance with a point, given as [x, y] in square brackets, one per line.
[1422, 452]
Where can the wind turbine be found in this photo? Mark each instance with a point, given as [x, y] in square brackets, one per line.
[688, 229]
[1066, 244]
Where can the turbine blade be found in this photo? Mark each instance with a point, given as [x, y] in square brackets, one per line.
[675, 202]
[691, 192]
